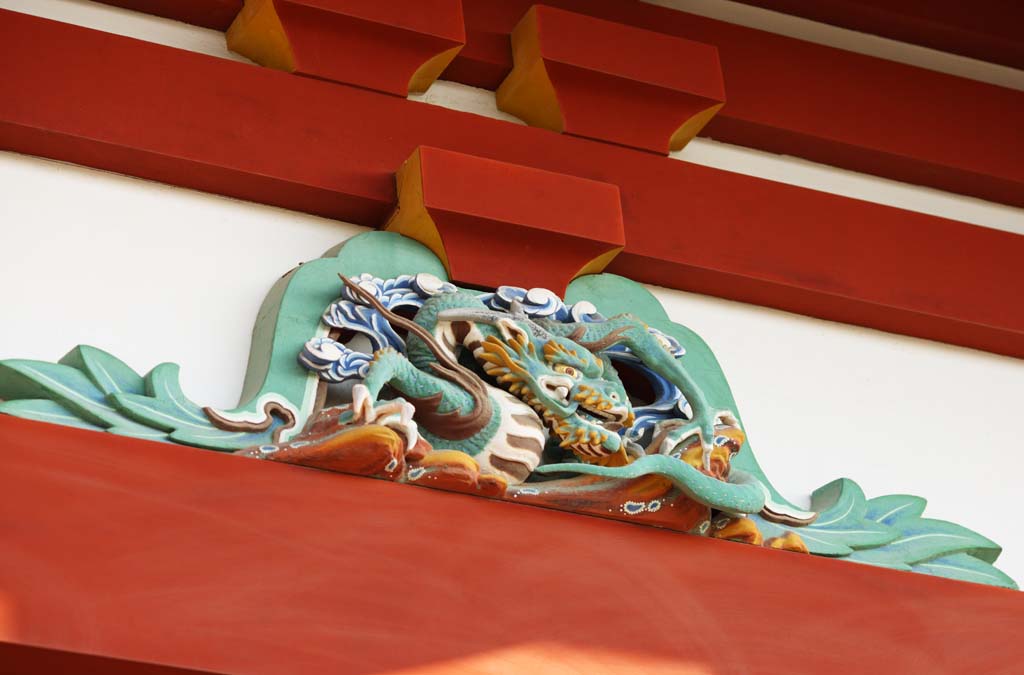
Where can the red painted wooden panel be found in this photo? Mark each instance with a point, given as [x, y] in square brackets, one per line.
[152, 552]
[989, 30]
[798, 98]
[328, 149]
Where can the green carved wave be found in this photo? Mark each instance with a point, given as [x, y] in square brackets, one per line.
[890, 531]
[92, 389]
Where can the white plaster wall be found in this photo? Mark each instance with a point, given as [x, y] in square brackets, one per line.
[149, 272]
[154, 273]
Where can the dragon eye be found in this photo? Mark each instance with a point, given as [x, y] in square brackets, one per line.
[567, 370]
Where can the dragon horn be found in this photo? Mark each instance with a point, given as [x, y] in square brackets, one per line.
[474, 315]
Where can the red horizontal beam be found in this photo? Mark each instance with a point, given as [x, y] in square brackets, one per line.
[145, 551]
[797, 98]
[19, 658]
[215, 14]
[989, 30]
[332, 150]
[803, 99]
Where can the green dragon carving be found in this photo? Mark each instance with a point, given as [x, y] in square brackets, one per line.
[532, 397]
[546, 374]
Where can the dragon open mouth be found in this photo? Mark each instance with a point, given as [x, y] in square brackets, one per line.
[588, 423]
[601, 418]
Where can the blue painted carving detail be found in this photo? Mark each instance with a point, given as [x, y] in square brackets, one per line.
[347, 315]
[540, 303]
[333, 361]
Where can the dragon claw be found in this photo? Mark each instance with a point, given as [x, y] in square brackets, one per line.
[396, 414]
[408, 429]
[407, 426]
[703, 427]
[362, 405]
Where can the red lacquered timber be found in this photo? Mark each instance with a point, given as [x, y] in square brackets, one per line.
[477, 208]
[642, 89]
[803, 99]
[157, 553]
[19, 658]
[799, 98]
[215, 14]
[332, 150]
[398, 46]
[989, 30]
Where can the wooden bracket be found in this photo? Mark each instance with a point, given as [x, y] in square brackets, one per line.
[398, 47]
[610, 81]
[494, 223]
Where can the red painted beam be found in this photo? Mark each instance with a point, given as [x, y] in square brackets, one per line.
[145, 551]
[797, 98]
[989, 30]
[19, 658]
[215, 14]
[332, 150]
[824, 104]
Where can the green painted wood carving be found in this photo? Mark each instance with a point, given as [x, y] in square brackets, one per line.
[367, 361]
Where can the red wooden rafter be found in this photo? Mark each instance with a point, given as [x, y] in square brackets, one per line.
[989, 30]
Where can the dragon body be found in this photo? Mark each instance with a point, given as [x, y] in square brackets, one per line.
[527, 397]
[529, 388]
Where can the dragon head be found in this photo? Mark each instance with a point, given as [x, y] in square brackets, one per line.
[577, 393]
